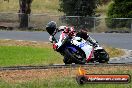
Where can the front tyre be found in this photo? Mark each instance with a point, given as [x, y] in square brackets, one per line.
[67, 61]
[76, 57]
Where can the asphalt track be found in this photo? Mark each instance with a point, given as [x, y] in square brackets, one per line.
[116, 40]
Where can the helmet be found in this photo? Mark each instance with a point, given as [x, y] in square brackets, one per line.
[51, 27]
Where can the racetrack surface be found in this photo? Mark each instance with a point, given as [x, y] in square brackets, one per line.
[113, 39]
[116, 40]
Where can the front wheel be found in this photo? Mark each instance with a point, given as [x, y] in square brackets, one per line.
[67, 60]
[77, 57]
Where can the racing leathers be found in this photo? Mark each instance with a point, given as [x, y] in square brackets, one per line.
[85, 36]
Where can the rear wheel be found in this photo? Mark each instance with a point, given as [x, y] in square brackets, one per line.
[102, 56]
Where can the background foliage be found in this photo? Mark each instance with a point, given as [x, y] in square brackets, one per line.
[119, 9]
[81, 8]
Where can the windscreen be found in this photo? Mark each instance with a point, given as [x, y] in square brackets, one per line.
[57, 35]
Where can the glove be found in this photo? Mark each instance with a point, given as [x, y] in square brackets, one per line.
[55, 46]
[51, 39]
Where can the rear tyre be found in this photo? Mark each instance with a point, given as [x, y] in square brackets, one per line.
[104, 57]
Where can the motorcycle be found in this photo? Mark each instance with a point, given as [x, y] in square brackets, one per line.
[74, 49]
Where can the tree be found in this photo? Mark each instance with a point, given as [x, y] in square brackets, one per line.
[78, 7]
[24, 11]
[119, 9]
[82, 9]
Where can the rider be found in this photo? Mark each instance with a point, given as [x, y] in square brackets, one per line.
[83, 34]
[52, 29]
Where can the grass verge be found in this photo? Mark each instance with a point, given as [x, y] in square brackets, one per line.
[14, 53]
[22, 55]
[59, 78]
[38, 6]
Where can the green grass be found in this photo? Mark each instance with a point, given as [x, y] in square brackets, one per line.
[14, 53]
[38, 6]
[29, 55]
[114, 52]
[41, 6]
[62, 82]
[22, 55]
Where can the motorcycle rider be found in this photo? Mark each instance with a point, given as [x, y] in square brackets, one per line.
[84, 34]
[52, 29]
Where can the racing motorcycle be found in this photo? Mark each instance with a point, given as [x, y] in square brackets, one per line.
[74, 49]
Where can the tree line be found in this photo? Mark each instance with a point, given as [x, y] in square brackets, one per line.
[86, 9]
